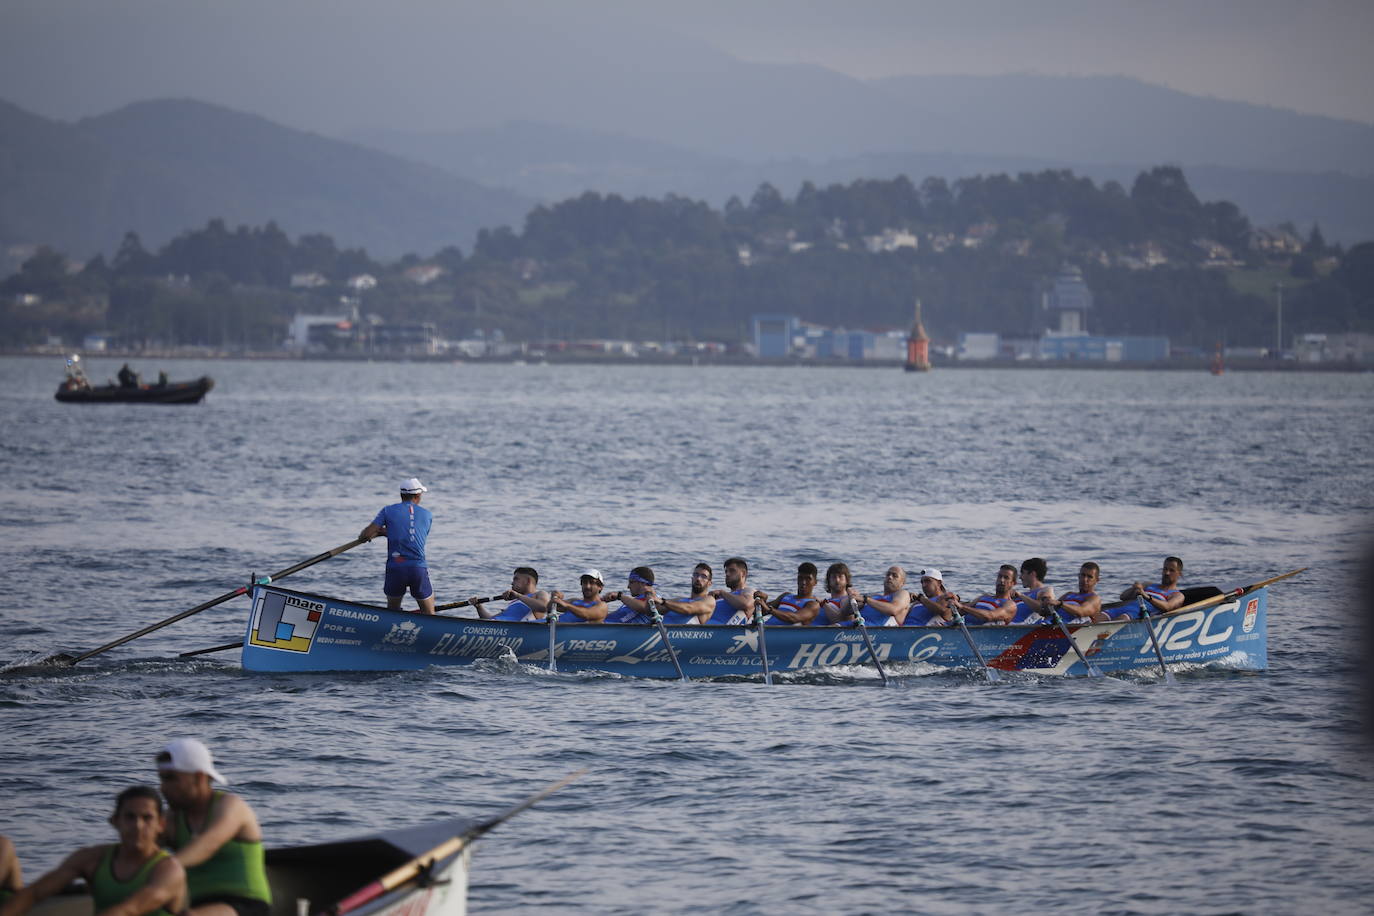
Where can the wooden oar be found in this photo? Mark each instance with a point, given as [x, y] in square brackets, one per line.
[64, 659]
[469, 601]
[224, 648]
[663, 632]
[1145, 608]
[763, 641]
[868, 641]
[1231, 595]
[423, 862]
[993, 675]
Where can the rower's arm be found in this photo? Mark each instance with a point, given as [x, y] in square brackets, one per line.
[80, 864]
[897, 608]
[1039, 605]
[1165, 605]
[164, 890]
[801, 616]
[232, 819]
[700, 608]
[938, 608]
[1088, 607]
[371, 531]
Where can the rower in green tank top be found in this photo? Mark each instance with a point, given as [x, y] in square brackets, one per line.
[133, 877]
[214, 834]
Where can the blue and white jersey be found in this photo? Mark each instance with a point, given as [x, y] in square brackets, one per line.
[569, 616]
[921, 616]
[518, 611]
[1067, 614]
[407, 527]
[1023, 610]
[627, 614]
[676, 619]
[1159, 592]
[727, 613]
[790, 603]
[984, 603]
[873, 617]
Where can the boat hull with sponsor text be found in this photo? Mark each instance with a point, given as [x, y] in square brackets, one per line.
[295, 631]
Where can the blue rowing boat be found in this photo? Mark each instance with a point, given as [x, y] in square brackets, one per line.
[295, 631]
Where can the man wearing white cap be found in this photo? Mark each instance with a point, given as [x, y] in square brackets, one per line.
[589, 608]
[930, 606]
[213, 833]
[406, 526]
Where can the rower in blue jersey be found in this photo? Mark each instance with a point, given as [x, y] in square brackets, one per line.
[735, 602]
[527, 601]
[930, 606]
[797, 608]
[696, 608]
[843, 596]
[634, 606]
[1163, 597]
[587, 609]
[891, 607]
[406, 525]
[1085, 604]
[998, 607]
[1037, 598]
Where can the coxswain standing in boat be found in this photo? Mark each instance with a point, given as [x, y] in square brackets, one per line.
[797, 608]
[891, 607]
[1084, 605]
[589, 608]
[214, 834]
[998, 607]
[837, 607]
[696, 608]
[635, 605]
[527, 601]
[406, 525]
[153, 882]
[1038, 597]
[735, 602]
[1165, 596]
[930, 606]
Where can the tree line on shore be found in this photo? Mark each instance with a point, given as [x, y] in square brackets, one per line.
[979, 253]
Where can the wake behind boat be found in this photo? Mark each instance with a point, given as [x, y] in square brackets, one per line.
[296, 631]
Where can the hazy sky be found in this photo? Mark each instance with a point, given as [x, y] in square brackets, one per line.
[69, 58]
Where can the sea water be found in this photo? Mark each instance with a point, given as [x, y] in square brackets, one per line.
[1228, 791]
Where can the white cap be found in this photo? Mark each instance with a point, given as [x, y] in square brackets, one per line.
[933, 574]
[593, 574]
[187, 755]
[412, 486]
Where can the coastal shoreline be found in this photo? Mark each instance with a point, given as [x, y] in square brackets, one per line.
[1187, 364]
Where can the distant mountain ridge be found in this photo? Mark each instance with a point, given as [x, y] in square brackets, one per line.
[162, 167]
[550, 162]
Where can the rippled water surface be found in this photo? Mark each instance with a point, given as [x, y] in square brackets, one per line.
[1228, 792]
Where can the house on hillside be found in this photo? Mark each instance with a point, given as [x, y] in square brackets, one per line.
[362, 282]
[891, 240]
[423, 274]
[1275, 241]
[312, 279]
